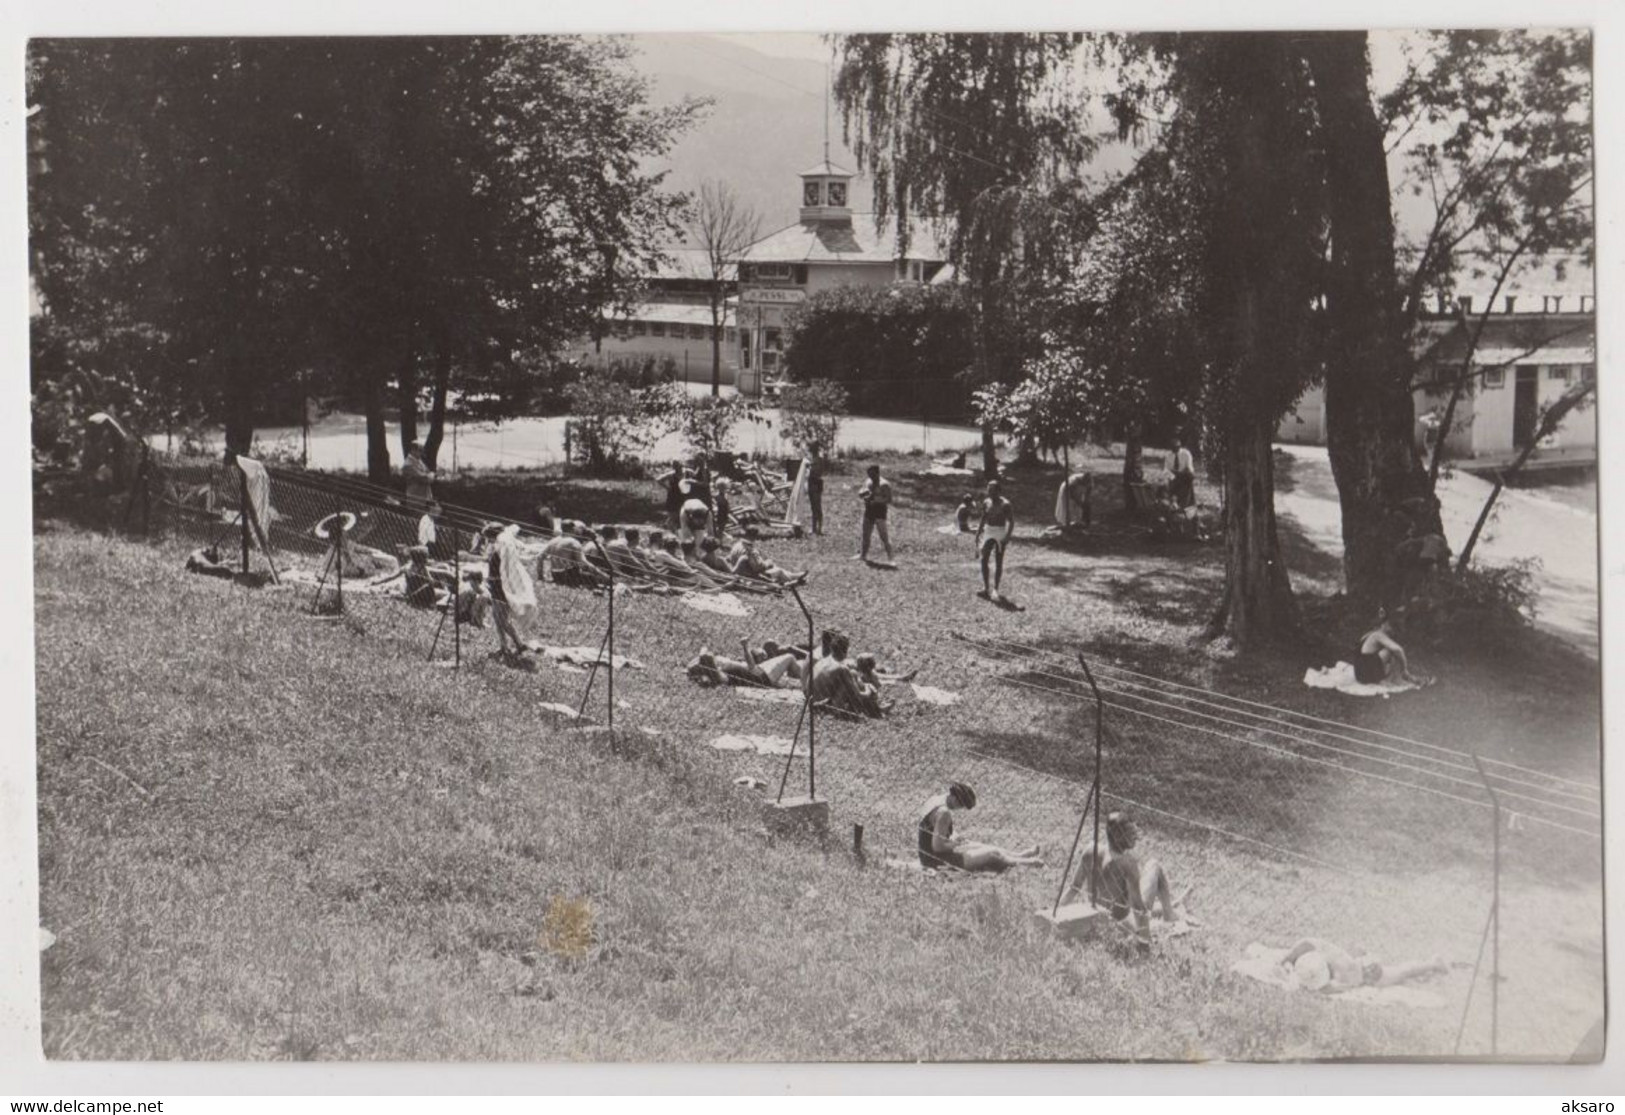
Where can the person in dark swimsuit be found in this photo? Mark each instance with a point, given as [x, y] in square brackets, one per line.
[1378, 654]
[939, 847]
[993, 535]
[500, 610]
[876, 496]
[815, 488]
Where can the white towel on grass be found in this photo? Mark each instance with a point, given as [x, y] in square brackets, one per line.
[931, 695]
[722, 603]
[1341, 678]
[762, 745]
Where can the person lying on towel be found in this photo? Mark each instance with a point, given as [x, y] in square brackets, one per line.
[1316, 964]
[748, 562]
[710, 669]
[939, 847]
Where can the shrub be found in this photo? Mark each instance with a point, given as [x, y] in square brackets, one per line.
[810, 414]
[611, 424]
[706, 422]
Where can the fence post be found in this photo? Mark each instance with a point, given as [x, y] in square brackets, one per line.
[609, 635]
[338, 549]
[456, 596]
[1495, 910]
[812, 714]
[1100, 731]
[242, 511]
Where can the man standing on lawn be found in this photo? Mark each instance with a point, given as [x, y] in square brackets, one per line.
[992, 536]
[876, 497]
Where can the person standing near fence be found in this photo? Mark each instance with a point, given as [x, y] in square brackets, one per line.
[876, 497]
[418, 475]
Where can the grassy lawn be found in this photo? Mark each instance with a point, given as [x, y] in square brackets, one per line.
[268, 836]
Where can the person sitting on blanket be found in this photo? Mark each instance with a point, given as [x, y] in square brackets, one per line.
[627, 555]
[966, 510]
[1316, 964]
[564, 559]
[1122, 883]
[693, 520]
[939, 847]
[724, 507]
[713, 669]
[835, 684]
[421, 589]
[1379, 654]
[207, 562]
[473, 600]
[866, 671]
[668, 562]
[748, 561]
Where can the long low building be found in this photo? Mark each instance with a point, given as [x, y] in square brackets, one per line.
[1534, 347]
[672, 322]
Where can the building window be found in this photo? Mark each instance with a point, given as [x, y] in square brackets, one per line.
[810, 193]
[1495, 379]
[1588, 373]
[639, 328]
[744, 350]
[730, 334]
[799, 274]
[657, 329]
[696, 332]
[837, 193]
[1558, 372]
[771, 340]
[769, 271]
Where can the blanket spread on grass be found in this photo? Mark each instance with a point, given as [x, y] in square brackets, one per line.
[723, 603]
[1263, 963]
[938, 468]
[762, 745]
[369, 586]
[1341, 678]
[931, 695]
[582, 656]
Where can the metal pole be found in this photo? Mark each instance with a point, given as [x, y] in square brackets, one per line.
[812, 716]
[1100, 728]
[338, 550]
[1495, 912]
[1467, 1006]
[611, 636]
[242, 512]
[1089, 799]
[456, 596]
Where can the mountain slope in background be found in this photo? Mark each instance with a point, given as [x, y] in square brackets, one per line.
[766, 125]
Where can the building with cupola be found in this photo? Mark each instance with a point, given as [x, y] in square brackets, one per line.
[828, 246]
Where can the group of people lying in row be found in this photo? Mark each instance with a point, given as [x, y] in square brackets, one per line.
[835, 679]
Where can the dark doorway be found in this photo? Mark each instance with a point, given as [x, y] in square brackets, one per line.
[1525, 407]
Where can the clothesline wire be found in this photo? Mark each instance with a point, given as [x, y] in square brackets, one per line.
[1454, 752]
[1295, 755]
[1472, 783]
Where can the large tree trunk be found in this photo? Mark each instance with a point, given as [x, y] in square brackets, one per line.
[377, 431]
[437, 406]
[1370, 413]
[1258, 607]
[408, 385]
[1133, 467]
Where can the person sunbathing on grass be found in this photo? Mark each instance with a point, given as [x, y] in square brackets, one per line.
[965, 513]
[939, 847]
[1316, 964]
[627, 555]
[776, 662]
[668, 562]
[207, 562]
[1379, 654]
[834, 683]
[1122, 883]
[749, 562]
[710, 669]
[421, 589]
[564, 560]
[473, 599]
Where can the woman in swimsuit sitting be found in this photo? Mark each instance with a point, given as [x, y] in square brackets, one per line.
[1378, 655]
[1122, 883]
[939, 847]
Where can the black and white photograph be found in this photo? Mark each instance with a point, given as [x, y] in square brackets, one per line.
[935, 546]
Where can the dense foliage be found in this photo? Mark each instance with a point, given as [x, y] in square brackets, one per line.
[903, 351]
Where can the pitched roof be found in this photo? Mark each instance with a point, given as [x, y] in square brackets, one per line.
[829, 242]
[826, 167]
[1514, 338]
[689, 263]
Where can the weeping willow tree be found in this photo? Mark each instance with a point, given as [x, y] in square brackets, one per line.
[947, 125]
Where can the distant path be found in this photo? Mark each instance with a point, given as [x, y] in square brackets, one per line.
[1528, 523]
